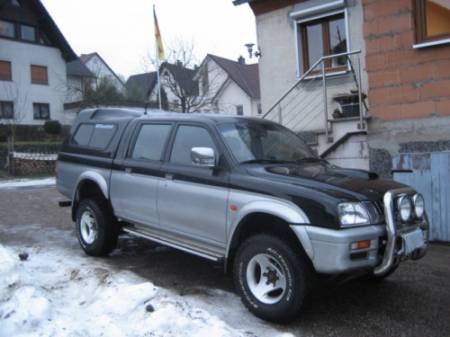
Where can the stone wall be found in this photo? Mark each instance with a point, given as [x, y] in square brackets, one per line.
[29, 164]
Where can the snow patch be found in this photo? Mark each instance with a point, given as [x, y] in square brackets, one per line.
[58, 293]
[15, 183]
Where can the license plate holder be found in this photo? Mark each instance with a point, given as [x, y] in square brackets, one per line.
[412, 241]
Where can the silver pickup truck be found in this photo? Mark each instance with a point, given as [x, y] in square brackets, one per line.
[243, 192]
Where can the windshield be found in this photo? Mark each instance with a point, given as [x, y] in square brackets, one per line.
[253, 141]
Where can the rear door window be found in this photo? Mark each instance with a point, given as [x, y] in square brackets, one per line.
[150, 141]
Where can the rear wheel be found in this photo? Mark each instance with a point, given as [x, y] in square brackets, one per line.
[97, 231]
[271, 278]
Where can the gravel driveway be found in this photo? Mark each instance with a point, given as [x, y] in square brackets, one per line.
[415, 301]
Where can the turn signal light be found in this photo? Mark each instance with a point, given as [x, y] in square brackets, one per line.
[364, 244]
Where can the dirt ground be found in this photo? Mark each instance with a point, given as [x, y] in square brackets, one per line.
[415, 301]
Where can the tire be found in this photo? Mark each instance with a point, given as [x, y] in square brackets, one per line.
[279, 260]
[97, 231]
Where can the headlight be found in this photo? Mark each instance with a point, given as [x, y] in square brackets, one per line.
[353, 214]
[419, 205]
[404, 205]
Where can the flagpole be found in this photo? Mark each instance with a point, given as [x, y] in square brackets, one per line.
[158, 64]
[158, 78]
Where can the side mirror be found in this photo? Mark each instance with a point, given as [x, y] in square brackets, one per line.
[203, 157]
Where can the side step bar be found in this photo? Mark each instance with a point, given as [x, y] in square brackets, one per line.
[195, 250]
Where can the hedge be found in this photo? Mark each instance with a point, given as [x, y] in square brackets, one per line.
[31, 133]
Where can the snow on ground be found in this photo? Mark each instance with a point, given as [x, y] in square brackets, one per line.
[17, 183]
[54, 293]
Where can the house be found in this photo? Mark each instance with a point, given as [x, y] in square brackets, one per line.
[385, 89]
[179, 90]
[33, 64]
[140, 86]
[317, 98]
[101, 70]
[229, 87]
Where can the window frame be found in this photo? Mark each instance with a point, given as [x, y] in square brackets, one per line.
[420, 22]
[46, 74]
[172, 138]
[15, 37]
[2, 103]
[10, 71]
[132, 145]
[300, 41]
[35, 35]
[35, 104]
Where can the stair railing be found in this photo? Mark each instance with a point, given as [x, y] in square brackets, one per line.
[308, 75]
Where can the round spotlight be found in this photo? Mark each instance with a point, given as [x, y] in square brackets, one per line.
[405, 208]
[419, 205]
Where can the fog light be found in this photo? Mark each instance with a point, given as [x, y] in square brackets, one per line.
[363, 244]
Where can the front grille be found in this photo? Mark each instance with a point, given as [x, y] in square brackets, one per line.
[376, 212]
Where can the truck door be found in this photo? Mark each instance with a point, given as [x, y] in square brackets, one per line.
[192, 200]
[135, 178]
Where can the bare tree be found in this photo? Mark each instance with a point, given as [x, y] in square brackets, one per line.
[19, 99]
[178, 83]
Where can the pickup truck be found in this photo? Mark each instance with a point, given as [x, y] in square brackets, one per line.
[244, 192]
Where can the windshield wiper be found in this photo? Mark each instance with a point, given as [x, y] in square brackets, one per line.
[309, 159]
[267, 161]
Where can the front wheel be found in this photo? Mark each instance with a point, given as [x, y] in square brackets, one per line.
[271, 278]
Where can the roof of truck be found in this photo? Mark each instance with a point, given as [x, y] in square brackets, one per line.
[126, 114]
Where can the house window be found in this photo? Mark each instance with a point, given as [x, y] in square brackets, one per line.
[41, 111]
[5, 71]
[240, 110]
[7, 29]
[28, 33]
[39, 75]
[6, 110]
[432, 20]
[322, 37]
[259, 109]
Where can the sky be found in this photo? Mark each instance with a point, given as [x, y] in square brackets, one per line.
[122, 31]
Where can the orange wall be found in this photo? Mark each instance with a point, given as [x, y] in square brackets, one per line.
[404, 82]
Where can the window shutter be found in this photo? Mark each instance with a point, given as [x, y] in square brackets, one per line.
[5, 71]
[39, 75]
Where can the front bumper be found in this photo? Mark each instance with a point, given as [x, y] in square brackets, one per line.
[330, 250]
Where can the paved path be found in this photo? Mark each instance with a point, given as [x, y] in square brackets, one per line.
[415, 301]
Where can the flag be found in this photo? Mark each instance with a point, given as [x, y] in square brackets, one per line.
[159, 44]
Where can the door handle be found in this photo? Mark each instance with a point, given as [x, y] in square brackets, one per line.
[128, 170]
[169, 176]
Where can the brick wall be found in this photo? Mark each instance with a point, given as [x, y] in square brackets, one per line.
[404, 83]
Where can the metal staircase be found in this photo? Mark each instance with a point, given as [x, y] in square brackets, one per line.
[326, 104]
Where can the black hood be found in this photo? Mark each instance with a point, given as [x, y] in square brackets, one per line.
[339, 182]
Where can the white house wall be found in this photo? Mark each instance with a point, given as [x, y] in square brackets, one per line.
[278, 66]
[22, 92]
[101, 70]
[231, 96]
